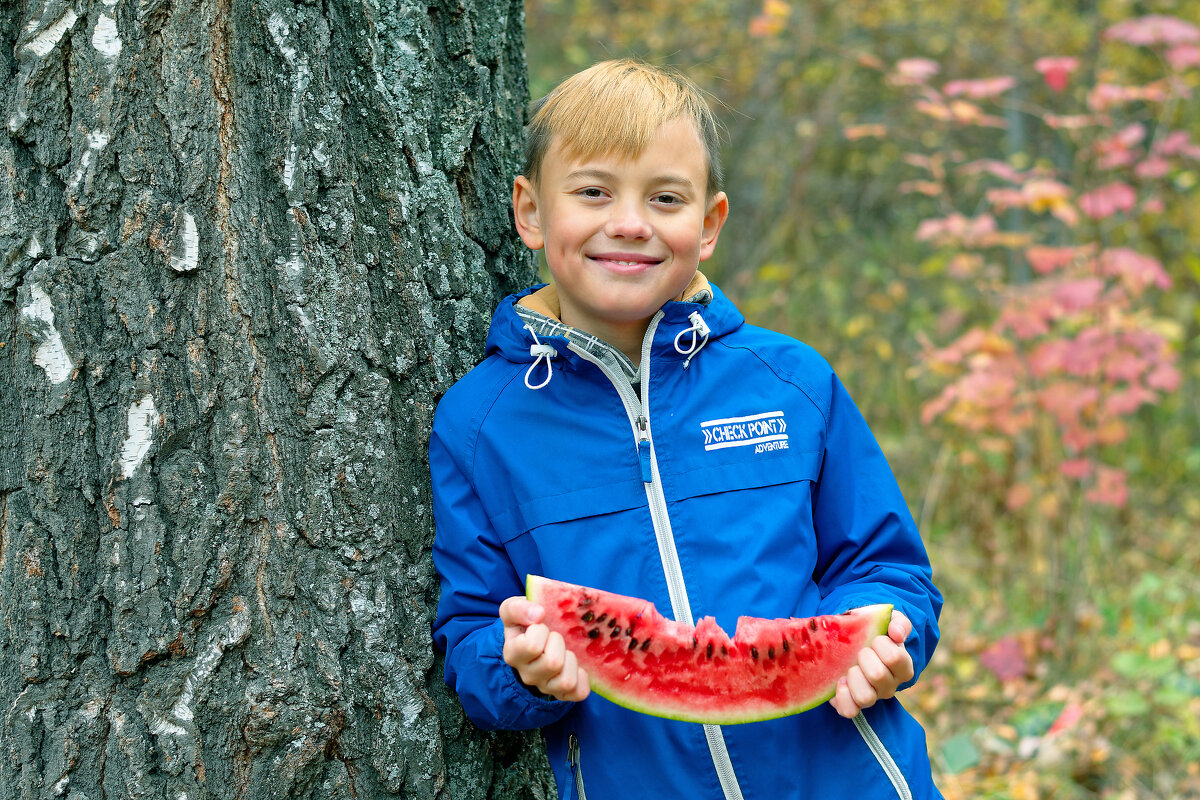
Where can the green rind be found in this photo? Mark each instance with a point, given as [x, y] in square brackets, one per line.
[882, 618]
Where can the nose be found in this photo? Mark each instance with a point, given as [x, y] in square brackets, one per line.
[628, 221]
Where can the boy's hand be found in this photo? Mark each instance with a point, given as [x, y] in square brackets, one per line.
[880, 669]
[540, 657]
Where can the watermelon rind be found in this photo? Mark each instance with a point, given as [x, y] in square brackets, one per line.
[675, 688]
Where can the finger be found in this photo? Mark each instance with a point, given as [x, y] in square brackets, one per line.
[894, 657]
[899, 628]
[522, 649]
[842, 702]
[875, 670]
[564, 683]
[547, 665]
[862, 692]
[517, 611]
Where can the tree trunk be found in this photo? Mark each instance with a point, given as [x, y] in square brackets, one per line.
[246, 246]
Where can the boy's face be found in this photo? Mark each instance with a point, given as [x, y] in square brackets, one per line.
[622, 236]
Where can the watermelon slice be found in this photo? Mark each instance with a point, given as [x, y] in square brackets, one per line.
[643, 661]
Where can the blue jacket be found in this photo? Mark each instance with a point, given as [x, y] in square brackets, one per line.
[737, 478]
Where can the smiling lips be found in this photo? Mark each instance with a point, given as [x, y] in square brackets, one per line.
[625, 262]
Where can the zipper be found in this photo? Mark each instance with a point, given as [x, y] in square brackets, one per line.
[638, 411]
[576, 770]
[883, 756]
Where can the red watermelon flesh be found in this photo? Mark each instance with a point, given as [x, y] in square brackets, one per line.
[641, 660]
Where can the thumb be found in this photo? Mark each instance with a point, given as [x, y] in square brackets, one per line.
[899, 628]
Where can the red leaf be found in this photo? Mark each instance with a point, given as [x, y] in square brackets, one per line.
[1109, 199]
[1056, 71]
[1005, 659]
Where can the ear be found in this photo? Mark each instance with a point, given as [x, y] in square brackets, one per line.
[714, 218]
[525, 213]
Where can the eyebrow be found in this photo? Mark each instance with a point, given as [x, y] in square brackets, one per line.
[605, 175]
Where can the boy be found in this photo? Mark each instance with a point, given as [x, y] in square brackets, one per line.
[629, 431]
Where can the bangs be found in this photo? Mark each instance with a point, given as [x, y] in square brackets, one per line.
[616, 108]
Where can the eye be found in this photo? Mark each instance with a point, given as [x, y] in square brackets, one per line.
[668, 199]
[591, 192]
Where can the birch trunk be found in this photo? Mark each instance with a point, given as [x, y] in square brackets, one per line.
[245, 247]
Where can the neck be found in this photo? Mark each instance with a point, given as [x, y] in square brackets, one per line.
[625, 337]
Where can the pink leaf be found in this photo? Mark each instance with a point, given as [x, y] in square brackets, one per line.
[979, 89]
[1077, 468]
[1164, 377]
[1183, 56]
[1153, 29]
[1127, 401]
[1005, 660]
[1109, 199]
[1047, 259]
[914, 71]
[1153, 167]
[1056, 71]
[1077, 295]
[1135, 270]
[1110, 488]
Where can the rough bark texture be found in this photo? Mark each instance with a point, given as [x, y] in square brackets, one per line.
[246, 245]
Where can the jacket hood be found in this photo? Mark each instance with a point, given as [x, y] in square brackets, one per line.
[510, 337]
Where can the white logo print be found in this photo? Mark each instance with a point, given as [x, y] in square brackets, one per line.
[764, 431]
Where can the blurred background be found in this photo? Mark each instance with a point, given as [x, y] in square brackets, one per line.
[986, 216]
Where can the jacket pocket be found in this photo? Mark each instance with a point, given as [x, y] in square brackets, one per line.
[576, 769]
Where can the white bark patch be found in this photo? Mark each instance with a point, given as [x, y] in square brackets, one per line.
[18, 118]
[140, 425]
[235, 633]
[279, 31]
[61, 786]
[186, 253]
[105, 37]
[44, 42]
[50, 354]
[35, 247]
[96, 141]
[289, 167]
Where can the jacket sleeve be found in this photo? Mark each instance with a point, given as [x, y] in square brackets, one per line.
[476, 576]
[868, 547]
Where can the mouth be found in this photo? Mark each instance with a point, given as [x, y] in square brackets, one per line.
[626, 261]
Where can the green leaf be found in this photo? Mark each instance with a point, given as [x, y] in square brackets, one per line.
[1036, 720]
[960, 753]
[1127, 704]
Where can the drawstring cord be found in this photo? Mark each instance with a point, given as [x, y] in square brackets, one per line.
[542, 353]
[699, 328]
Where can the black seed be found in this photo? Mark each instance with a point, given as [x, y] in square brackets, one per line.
[588, 616]
[695, 643]
[753, 651]
[632, 643]
[770, 652]
[615, 633]
[785, 646]
[593, 633]
[710, 650]
[601, 617]
[724, 651]
[629, 631]
[812, 624]
[612, 623]
[645, 645]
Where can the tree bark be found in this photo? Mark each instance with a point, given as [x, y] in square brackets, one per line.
[246, 246]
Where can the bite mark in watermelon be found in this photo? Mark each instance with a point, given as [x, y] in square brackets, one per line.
[643, 661]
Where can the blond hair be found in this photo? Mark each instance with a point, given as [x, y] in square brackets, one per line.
[617, 107]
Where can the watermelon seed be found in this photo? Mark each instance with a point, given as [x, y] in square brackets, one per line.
[601, 617]
[710, 650]
[629, 631]
[632, 643]
[615, 633]
[770, 652]
[593, 633]
[645, 645]
[785, 645]
[724, 651]
[753, 651]
[612, 622]
[695, 642]
[588, 616]
[812, 624]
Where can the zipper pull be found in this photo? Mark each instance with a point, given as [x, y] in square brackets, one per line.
[643, 447]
